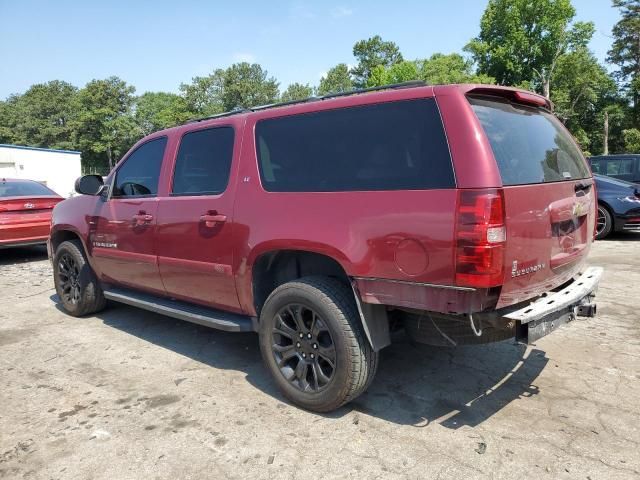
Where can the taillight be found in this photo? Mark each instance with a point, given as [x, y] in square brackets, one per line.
[480, 238]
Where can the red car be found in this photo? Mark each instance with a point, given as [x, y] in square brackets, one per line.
[25, 212]
[464, 213]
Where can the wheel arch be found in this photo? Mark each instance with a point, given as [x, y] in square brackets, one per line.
[275, 267]
[60, 235]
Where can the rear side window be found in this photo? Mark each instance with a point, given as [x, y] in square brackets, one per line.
[530, 145]
[138, 176]
[387, 146]
[619, 166]
[204, 162]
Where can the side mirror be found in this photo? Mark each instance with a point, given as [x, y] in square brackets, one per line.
[89, 185]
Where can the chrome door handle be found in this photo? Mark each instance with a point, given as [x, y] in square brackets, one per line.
[210, 219]
[142, 218]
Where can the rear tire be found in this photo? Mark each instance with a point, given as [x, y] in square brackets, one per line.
[313, 343]
[604, 223]
[76, 283]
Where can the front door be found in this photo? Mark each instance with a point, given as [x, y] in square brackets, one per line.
[122, 237]
[195, 224]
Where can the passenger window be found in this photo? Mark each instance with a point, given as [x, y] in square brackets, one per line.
[139, 175]
[203, 163]
[620, 166]
[595, 166]
[387, 146]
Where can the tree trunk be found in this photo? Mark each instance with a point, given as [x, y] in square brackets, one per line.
[546, 87]
[606, 134]
[109, 157]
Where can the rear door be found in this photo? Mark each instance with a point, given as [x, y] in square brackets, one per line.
[195, 222]
[123, 230]
[549, 196]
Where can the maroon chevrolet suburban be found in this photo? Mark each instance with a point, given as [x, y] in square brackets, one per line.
[462, 213]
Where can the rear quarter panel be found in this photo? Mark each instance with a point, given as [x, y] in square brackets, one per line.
[371, 234]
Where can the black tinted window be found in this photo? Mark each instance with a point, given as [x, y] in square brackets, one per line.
[141, 170]
[530, 145]
[204, 162]
[387, 146]
[23, 189]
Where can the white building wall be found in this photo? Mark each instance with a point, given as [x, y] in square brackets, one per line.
[58, 169]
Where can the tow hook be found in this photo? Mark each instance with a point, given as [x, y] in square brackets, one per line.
[586, 310]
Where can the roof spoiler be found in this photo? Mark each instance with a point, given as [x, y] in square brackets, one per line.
[514, 95]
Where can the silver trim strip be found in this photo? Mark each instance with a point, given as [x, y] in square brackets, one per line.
[418, 284]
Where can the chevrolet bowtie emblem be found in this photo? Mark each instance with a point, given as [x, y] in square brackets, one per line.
[29, 206]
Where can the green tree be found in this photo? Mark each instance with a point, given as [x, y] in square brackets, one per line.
[248, 85]
[632, 140]
[42, 116]
[105, 127]
[582, 91]
[8, 118]
[522, 40]
[442, 69]
[203, 95]
[157, 110]
[404, 71]
[625, 51]
[370, 53]
[337, 80]
[296, 91]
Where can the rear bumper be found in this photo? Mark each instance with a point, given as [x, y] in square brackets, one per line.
[33, 233]
[547, 313]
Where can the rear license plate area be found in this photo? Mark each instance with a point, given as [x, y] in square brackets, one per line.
[529, 333]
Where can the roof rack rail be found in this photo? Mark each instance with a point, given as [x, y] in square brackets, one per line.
[235, 111]
[393, 86]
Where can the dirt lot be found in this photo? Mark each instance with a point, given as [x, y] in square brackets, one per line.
[130, 394]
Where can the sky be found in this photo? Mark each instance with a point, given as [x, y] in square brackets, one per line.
[157, 45]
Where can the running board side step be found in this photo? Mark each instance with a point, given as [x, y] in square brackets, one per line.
[209, 317]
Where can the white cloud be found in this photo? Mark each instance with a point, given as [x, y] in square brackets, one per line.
[341, 11]
[244, 57]
[301, 11]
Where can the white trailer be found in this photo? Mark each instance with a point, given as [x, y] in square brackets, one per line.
[57, 169]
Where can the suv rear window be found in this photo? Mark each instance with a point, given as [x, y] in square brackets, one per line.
[387, 146]
[24, 189]
[529, 144]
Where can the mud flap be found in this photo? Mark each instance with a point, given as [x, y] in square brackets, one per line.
[375, 321]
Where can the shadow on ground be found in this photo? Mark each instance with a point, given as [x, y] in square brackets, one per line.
[16, 255]
[622, 237]
[415, 384]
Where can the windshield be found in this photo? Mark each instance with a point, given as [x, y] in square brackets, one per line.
[24, 189]
[530, 145]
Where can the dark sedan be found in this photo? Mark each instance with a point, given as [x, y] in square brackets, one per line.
[618, 206]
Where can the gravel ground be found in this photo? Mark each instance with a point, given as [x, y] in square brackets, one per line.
[131, 394]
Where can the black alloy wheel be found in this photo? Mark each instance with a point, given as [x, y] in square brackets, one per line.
[68, 277]
[303, 348]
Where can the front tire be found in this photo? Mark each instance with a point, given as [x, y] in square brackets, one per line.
[313, 343]
[76, 284]
[604, 223]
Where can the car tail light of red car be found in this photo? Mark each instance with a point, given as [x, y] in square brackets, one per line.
[480, 238]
